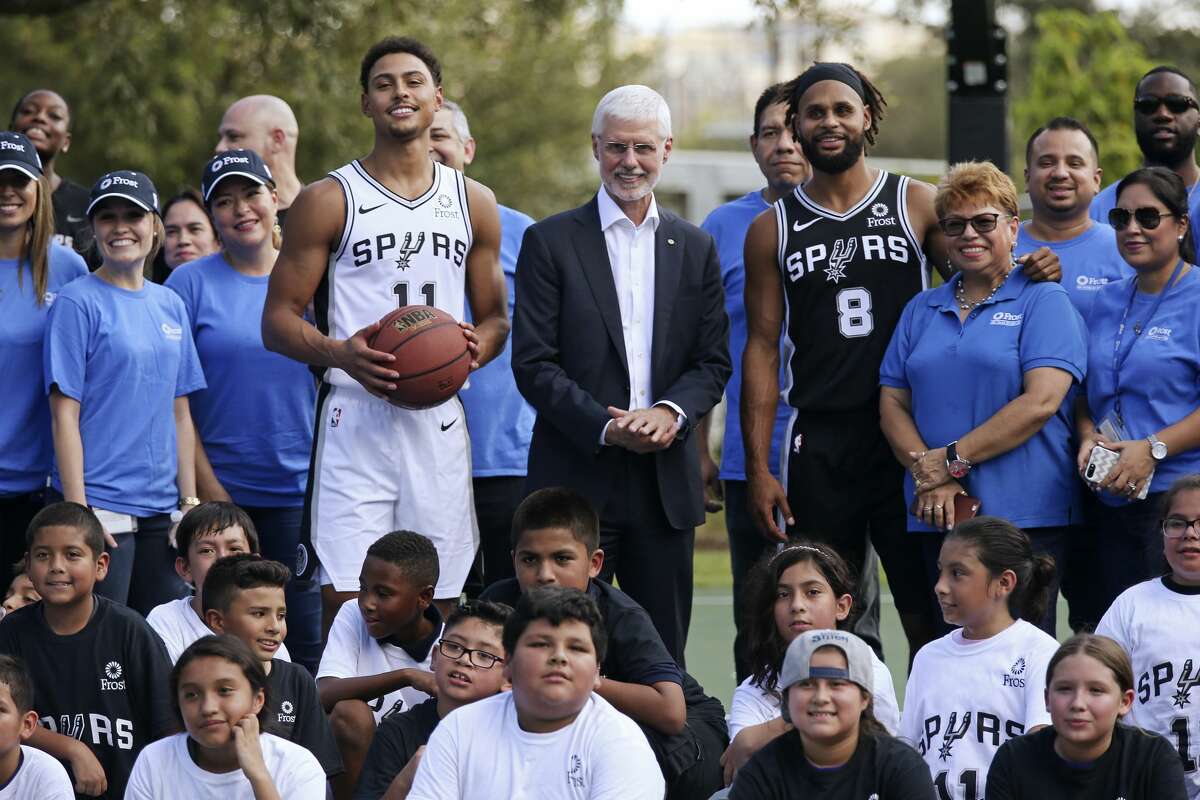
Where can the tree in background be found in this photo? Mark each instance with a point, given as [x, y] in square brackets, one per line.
[148, 80]
[1085, 66]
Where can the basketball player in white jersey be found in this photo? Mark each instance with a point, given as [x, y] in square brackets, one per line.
[392, 229]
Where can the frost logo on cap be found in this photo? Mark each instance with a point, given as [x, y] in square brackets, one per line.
[227, 160]
[120, 180]
[216, 167]
[104, 184]
[20, 148]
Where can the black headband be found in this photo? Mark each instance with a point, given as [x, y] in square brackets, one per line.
[827, 71]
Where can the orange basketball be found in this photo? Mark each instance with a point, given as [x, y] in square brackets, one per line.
[431, 355]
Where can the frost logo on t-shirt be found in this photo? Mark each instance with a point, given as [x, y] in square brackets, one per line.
[112, 682]
[1159, 333]
[1088, 283]
[48, 298]
[287, 712]
[575, 773]
[1013, 676]
[172, 333]
[1007, 319]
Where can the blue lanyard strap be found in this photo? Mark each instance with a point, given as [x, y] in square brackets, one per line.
[1120, 358]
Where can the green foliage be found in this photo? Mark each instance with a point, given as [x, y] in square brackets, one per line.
[1083, 66]
[915, 89]
[148, 80]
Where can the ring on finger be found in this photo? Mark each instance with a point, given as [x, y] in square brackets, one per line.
[939, 507]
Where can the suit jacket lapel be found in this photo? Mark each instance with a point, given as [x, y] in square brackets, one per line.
[668, 262]
[593, 256]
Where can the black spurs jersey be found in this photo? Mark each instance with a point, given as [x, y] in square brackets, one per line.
[846, 278]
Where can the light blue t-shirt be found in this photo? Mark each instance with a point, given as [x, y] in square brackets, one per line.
[125, 356]
[1089, 261]
[1107, 200]
[727, 225]
[25, 442]
[499, 419]
[1160, 379]
[961, 374]
[256, 416]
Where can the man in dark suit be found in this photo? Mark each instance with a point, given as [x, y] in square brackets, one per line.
[620, 344]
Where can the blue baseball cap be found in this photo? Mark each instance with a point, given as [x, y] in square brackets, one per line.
[17, 152]
[127, 185]
[242, 163]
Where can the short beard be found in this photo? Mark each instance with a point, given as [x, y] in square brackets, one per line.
[1170, 157]
[631, 196]
[852, 151]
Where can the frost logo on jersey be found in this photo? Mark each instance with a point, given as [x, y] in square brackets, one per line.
[286, 712]
[843, 251]
[1013, 676]
[1188, 680]
[408, 250]
[1006, 319]
[880, 216]
[1159, 334]
[575, 773]
[112, 682]
[446, 211]
[953, 734]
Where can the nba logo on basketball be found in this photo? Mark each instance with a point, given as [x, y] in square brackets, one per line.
[335, 417]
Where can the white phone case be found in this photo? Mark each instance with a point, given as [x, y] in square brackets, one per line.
[1101, 463]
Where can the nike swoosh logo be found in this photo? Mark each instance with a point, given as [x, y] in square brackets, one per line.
[365, 210]
[75, 219]
[446, 427]
[797, 227]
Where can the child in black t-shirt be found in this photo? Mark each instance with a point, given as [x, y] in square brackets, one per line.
[556, 541]
[20, 592]
[100, 672]
[1085, 753]
[244, 597]
[467, 666]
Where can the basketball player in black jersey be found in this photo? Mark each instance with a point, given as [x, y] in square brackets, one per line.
[836, 261]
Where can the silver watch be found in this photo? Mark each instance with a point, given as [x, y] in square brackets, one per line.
[1158, 448]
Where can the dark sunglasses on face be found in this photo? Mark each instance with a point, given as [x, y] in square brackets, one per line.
[1176, 103]
[1147, 218]
[982, 223]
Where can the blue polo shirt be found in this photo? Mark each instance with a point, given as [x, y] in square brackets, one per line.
[727, 225]
[961, 374]
[1160, 379]
[1089, 261]
[124, 356]
[1107, 200]
[256, 416]
[498, 418]
[25, 443]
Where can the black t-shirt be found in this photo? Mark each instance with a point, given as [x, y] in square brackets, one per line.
[107, 685]
[71, 226]
[881, 767]
[1138, 765]
[294, 713]
[396, 739]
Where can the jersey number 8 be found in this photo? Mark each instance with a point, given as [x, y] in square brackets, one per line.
[854, 313]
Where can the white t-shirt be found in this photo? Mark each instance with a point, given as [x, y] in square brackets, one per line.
[39, 776]
[1160, 629]
[165, 769]
[479, 751]
[178, 625]
[353, 653]
[752, 705]
[967, 697]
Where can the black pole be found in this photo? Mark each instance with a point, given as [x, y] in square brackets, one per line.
[977, 83]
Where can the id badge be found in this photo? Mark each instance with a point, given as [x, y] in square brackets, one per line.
[1112, 430]
[114, 522]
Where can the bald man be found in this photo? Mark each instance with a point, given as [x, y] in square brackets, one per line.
[265, 124]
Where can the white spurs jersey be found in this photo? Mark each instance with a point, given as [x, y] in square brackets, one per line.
[394, 252]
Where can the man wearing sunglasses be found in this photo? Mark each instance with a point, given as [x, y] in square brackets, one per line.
[1166, 122]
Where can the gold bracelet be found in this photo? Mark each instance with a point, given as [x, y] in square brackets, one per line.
[189, 501]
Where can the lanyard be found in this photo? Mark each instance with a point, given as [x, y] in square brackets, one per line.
[1120, 358]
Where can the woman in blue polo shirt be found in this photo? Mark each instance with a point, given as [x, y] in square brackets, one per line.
[33, 268]
[978, 380]
[255, 420]
[1143, 375]
[119, 363]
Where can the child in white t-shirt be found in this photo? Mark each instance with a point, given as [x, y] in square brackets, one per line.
[1158, 623]
[983, 683]
[24, 771]
[219, 690]
[804, 586]
[376, 663]
[209, 531]
[552, 737]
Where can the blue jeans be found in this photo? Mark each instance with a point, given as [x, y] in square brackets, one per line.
[141, 570]
[279, 535]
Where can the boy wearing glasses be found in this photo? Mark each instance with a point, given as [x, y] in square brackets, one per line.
[1166, 122]
[468, 665]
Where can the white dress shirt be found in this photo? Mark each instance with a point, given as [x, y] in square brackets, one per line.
[631, 257]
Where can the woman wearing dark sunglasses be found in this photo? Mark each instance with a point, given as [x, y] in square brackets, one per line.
[1143, 374]
[976, 379]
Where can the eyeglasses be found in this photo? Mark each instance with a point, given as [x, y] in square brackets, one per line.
[1147, 104]
[1176, 527]
[480, 658]
[621, 148]
[1148, 218]
[982, 223]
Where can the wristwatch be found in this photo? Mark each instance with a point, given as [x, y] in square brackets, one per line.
[956, 465]
[189, 501]
[1158, 448]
